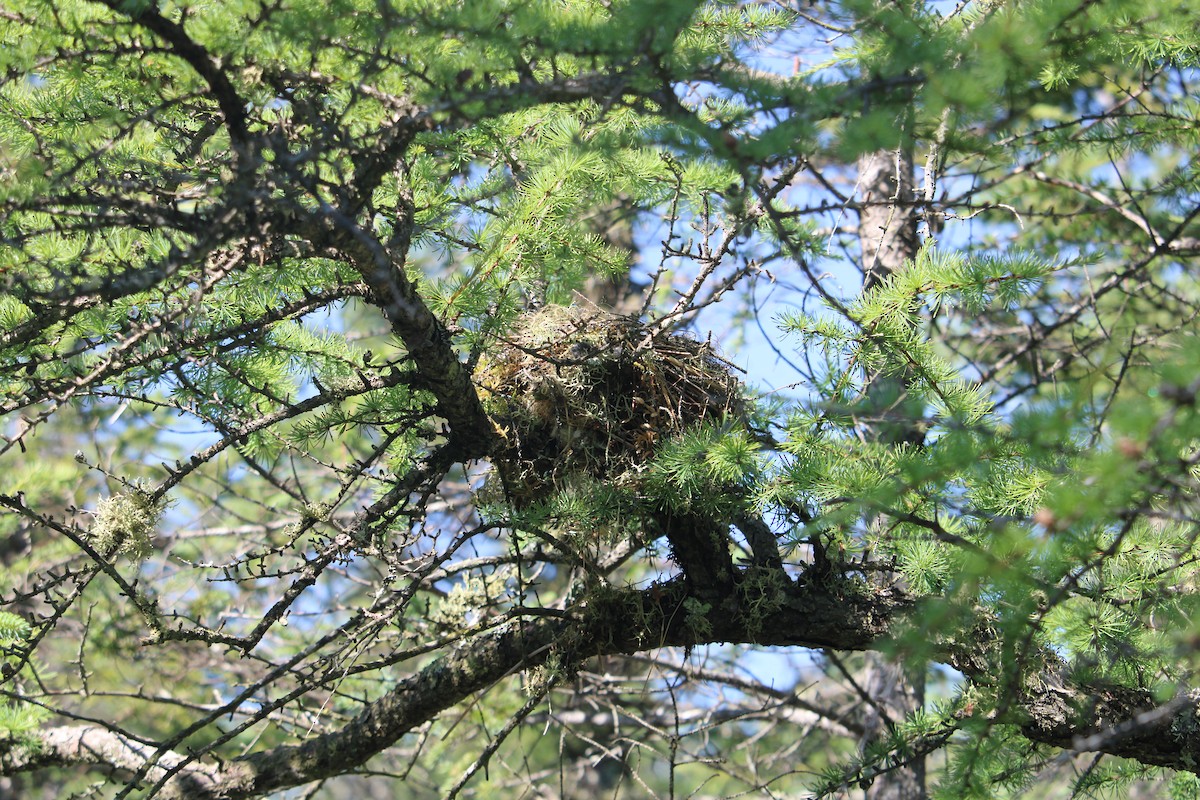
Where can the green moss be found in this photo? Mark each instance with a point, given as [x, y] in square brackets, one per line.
[761, 594]
[696, 618]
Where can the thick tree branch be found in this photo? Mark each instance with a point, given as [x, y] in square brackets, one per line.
[425, 337]
[1107, 718]
[110, 750]
[622, 622]
[1050, 708]
[232, 105]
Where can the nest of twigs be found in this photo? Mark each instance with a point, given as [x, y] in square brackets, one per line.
[577, 392]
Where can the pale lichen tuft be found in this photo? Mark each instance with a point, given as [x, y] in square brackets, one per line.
[125, 524]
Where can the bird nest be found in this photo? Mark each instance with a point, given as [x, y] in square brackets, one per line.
[582, 393]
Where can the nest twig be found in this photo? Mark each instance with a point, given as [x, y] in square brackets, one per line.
[581, 392]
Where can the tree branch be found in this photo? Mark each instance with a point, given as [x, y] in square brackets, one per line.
[1050, 708]
[92, 745]
[232, 105]
[425, 337]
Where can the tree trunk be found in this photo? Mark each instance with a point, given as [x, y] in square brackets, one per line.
[887, 233]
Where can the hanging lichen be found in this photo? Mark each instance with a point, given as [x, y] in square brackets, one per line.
[125, 523]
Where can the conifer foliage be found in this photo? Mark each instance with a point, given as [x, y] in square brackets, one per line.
[322, 468]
